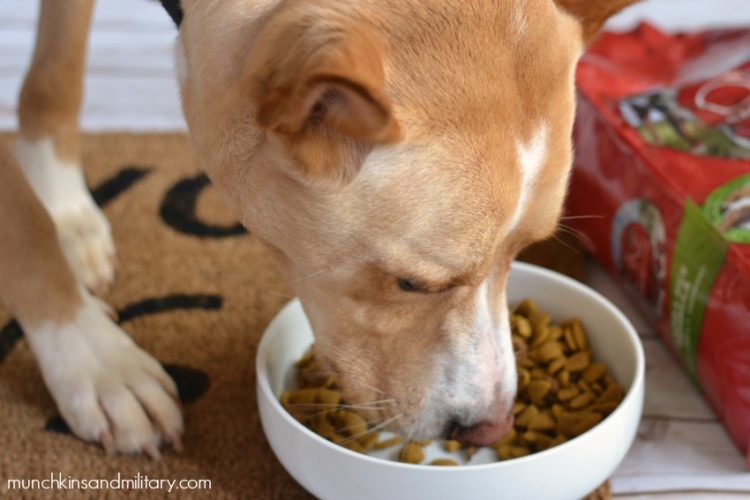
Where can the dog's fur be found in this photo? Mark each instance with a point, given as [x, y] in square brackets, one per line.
[396, 154]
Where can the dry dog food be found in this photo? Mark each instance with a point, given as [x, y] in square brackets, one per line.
[562, 393]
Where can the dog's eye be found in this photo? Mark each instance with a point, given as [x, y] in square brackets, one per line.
[409, 286]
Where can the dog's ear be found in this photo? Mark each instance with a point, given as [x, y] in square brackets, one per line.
[316, 73]
[592, 14]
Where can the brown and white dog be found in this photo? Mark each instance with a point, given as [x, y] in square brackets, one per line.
[397, 155]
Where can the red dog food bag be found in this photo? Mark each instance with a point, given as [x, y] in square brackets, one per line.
[663, 164]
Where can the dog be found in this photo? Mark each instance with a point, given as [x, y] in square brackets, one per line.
[396, 155]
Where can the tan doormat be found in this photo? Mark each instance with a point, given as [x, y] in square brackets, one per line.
[193, 289]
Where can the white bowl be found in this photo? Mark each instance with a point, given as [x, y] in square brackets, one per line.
[568, 471]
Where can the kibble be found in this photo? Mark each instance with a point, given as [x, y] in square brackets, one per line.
[561, 394]
[411, 453]
[444, 462]
[451, 445]
[388, 443]
[578, 362]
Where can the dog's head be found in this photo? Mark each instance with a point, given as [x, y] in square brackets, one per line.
[398, 155]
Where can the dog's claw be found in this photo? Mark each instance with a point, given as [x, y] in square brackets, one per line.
[108, 309]
[108, 443]
[176, 442]
[172, 391]
[152, 450]
[99, 289]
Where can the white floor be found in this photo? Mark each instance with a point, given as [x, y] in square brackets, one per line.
[681, 450]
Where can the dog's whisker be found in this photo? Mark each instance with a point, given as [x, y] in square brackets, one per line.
[349, 427]
[576, 217]
[274, 288]
[563, 242]
[329, 410]
[356, 380]
[366, 405]
[313, 415]
[333, 406]
[409, 435]
[567, 229]
[570, 230]
[300, 280]
[377, 401]
[374, 428]
[375, 405]
[372, 388]
[276, 293]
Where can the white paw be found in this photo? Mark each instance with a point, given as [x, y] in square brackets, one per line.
[83, 230]
[106, 388]
[86, 241]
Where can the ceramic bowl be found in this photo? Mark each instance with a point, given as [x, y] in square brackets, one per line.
[568, 471]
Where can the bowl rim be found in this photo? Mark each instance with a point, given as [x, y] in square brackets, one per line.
[634, 390]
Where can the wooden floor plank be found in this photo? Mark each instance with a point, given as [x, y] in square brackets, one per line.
[686, 495]
[133, 103]
[604, 284]
[669, 392]
[671, 455]
[141, 13]
[114, 53]
[680, 15]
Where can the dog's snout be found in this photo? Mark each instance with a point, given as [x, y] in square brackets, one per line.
[483, 433]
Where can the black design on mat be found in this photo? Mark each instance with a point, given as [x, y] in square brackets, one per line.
[57, 424]
[9, 336]
[122, 181]
[191, 383]
[178, 210]
[168, 303]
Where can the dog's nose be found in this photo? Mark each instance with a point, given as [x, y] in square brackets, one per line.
[481, 434]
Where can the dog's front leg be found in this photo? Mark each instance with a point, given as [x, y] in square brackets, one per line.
[106, 388]
[48, 144]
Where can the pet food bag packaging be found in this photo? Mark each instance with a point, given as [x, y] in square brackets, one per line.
[661, 194]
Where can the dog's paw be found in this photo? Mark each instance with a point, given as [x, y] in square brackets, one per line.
[86, 241]
[106, 388]
[83, 230]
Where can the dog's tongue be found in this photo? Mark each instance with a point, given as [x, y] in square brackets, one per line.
[483, 434]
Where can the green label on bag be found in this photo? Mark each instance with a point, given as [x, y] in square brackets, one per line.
[698, 257]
